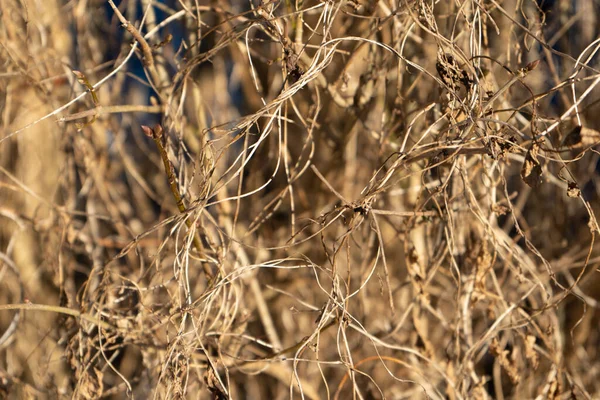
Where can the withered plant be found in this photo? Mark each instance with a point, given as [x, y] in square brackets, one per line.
[306, 199]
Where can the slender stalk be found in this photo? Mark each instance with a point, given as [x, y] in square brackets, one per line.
[60, 310]
[146, 49]
[157, 135]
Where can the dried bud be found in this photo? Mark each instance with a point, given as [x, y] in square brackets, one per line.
[80, 77]
[532, 65]
[158, 131]
[148, 131]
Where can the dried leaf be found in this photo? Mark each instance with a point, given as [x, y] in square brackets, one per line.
[530, 352]
[215, 387]
[573, 138]
[531, 173]
[499, 209]
[91, 385]
[589, 137]
[573, 190]
[592, 223]
[502, 356]
[451, 73]
[581, 137]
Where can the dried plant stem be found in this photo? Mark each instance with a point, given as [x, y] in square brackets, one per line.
[157, 135]
[103, 110]
[60, 310]
[146, 50]
[291, 349]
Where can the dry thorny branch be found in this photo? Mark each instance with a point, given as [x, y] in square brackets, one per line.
[332, 199]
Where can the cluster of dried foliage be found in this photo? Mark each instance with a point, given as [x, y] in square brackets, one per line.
[304, 199]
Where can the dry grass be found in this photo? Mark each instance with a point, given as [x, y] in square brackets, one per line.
[341, 199]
